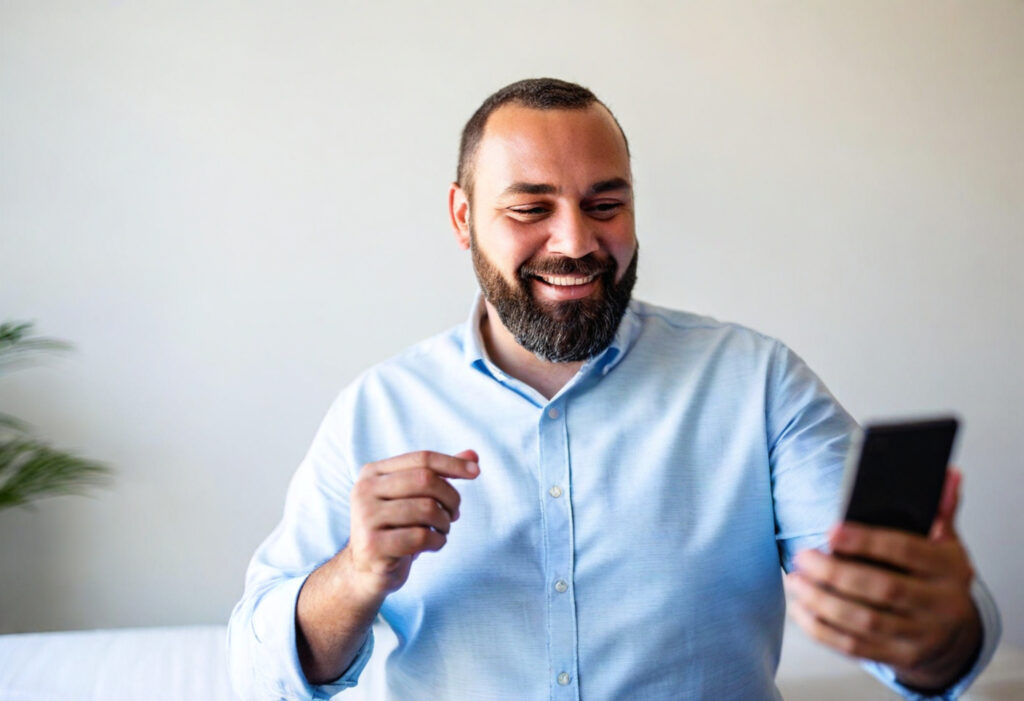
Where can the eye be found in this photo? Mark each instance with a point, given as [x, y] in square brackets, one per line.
[531, 211]
[604, 210]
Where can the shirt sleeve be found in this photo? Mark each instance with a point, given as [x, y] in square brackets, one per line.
[262, 651]
[808, 437]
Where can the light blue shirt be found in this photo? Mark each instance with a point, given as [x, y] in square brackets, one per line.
[623, 539]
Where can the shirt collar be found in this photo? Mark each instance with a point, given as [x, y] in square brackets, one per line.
[475, 355]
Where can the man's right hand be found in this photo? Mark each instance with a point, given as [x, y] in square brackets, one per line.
[401, 507]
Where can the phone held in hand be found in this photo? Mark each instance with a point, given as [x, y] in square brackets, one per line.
[895, 472]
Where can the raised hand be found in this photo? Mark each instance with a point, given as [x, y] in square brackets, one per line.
[401, 507]
[917, 616]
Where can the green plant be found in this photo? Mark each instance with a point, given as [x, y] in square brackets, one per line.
[30, 468]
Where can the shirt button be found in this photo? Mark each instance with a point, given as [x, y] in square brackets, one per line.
[553, 413]
[561, 586]
[563, 678]
[555, 491]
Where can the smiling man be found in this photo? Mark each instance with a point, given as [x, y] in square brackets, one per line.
[551, 233]
[577, 495]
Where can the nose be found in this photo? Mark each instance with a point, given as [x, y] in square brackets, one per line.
[571, 234]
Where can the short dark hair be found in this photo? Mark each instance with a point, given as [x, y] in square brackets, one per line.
[534, 93]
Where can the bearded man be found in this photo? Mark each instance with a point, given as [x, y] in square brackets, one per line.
[632, 480]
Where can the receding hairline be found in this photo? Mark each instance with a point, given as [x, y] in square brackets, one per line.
[466, 182]
[530, 93]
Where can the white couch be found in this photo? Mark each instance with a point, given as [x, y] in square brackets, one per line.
[188, 663]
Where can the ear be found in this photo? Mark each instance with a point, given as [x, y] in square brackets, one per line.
[458, 212]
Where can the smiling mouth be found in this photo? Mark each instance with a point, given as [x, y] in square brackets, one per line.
[564, 280]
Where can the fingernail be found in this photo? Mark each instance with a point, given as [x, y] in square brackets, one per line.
[472, 468]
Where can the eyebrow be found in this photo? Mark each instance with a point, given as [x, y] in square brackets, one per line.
[609, 185]
[524, 188]
[529, 189]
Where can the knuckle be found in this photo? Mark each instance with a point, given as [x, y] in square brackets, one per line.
[847, 644]
[945, 608]
[955, 607]
[420, 537]
[908, 551]
[363, 509]
[915, 656]
[437, 541]
[421, 457]
[373, 541]
[829, 572]
[427, 508]
[812, 595]
[891, 589]
[423, 477]
[871, 621]
[903, 657]
[861, 581]
[360, 488]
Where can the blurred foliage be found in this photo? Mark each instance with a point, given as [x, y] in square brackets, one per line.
[30, 468]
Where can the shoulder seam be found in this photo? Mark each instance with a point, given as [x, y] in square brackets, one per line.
[695, 321]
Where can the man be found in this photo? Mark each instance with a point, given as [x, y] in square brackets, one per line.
[576, 495]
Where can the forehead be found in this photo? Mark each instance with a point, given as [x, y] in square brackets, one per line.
[569, 149]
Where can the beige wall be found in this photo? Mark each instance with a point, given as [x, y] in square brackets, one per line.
[232, 211]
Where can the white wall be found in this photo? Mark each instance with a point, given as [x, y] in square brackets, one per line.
[233, 210]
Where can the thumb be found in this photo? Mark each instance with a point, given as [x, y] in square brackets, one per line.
[942, 528]
[473, 462]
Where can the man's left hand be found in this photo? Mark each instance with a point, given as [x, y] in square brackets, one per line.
[920, 620]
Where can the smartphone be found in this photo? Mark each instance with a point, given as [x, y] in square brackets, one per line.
[895, 472]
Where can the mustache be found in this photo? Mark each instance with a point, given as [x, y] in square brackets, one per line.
[580, 267]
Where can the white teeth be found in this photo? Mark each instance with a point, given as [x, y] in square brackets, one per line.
[562, 281]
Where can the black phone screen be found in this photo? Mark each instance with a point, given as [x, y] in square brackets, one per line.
[900, 471]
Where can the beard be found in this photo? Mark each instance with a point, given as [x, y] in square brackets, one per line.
[558, 332]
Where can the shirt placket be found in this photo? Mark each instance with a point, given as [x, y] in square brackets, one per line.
[556, 486]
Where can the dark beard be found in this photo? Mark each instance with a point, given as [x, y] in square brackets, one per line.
[558, 332]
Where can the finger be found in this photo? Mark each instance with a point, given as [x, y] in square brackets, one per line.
[420, 482]
[419, 511]
[447, 465]
[849, 615]
[907, 551]
[872, 585]
[942, 528]
[400, 542]
[894, 651]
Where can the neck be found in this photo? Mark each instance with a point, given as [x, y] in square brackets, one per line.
[514, 360]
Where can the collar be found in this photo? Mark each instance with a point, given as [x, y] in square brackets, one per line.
[475, 354]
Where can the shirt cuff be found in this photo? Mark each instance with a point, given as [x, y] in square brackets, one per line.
[273, 625]
[991, 630]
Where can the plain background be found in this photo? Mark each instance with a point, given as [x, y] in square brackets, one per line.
[233, 208]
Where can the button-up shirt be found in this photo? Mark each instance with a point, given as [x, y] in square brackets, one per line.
[622, 541]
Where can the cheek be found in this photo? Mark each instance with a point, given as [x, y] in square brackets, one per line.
[506, 260]
[516, 249]
[623, 253]
[619, 238]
